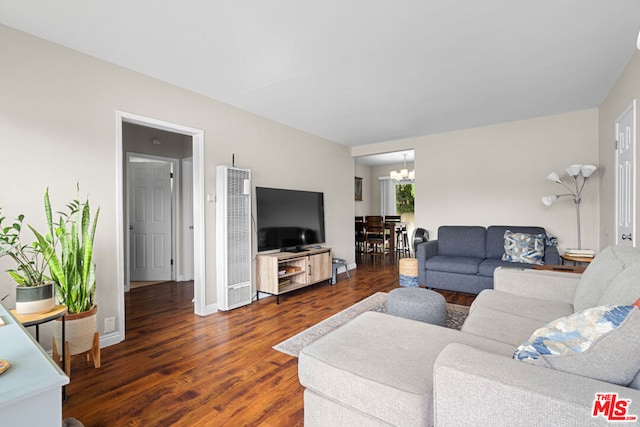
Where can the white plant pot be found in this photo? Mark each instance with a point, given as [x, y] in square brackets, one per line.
[34, 299]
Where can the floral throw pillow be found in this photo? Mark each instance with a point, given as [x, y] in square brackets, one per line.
[599, 342]
[523, 247]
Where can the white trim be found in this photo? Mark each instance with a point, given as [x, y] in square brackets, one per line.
[197, 136]
[199, 271]
[120, 261]
[181, 235]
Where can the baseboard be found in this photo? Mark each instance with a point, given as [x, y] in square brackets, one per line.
[209, 309]
[111, 338]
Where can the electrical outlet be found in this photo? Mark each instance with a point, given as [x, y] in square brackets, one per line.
[109, 324]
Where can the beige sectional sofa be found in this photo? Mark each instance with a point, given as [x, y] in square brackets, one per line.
[383, 370]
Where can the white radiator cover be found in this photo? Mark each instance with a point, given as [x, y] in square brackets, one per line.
[233, 237]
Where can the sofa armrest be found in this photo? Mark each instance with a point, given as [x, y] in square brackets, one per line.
[539, 284]
[424, 251]
[551, 255]
[427, 250]
[472, 387]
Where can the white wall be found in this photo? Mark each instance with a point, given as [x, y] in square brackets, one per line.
[625, 90]
[496, 175]
[57, 127]
[366, 206]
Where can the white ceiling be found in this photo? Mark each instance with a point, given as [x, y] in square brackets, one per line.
[359, 71]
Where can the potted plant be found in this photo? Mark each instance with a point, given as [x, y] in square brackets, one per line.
[34, 291]
[73, 272]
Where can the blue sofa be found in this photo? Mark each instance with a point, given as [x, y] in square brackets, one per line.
[464, 258]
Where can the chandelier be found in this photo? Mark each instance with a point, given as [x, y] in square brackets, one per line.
[404, 174]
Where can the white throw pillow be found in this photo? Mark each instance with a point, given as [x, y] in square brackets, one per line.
[523, 247]
[600, 342]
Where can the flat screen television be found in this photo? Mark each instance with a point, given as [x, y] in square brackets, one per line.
[289, 219]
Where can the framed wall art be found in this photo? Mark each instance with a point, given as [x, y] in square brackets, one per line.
[357, 187]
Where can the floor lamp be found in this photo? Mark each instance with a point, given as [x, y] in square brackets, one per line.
[575, 191]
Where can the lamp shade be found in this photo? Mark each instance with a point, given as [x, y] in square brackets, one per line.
[548, 200]
[588, 170]
[553, 177]
[574, 170]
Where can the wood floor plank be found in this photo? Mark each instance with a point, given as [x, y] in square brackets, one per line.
[179, 369]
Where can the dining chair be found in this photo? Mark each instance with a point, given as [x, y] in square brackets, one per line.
[360, 238]
[375, 237]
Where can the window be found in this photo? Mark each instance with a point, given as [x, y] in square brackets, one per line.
[405, 196]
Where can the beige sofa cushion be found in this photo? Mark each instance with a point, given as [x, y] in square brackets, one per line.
[601, 273]
[382, 365]
[501, 326]
[532, 308]
[624, 289]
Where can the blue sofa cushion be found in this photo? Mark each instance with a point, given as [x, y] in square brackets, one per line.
[495, 238]
[462, 241]
[488, 266]
[454, 264]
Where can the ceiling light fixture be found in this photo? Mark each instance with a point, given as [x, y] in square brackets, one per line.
[404, 174]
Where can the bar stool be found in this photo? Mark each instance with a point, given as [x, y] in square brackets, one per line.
[402, 240]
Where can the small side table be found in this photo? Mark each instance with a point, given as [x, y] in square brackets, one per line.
[576, 259]
[561, 268]
[59, 311]
[408, 272]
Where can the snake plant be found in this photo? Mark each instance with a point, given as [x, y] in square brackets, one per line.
[71, 267]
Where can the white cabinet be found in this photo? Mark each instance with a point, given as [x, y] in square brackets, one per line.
[31, 389]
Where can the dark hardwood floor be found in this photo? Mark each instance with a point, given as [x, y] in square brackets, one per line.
[178, 369]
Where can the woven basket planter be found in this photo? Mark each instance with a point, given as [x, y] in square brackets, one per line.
[408, 272]
[79, 331]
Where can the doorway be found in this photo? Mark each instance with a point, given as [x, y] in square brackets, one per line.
[195, 138]
[152, 183]
[383, 195]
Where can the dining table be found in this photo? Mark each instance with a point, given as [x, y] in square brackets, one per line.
[392, 227]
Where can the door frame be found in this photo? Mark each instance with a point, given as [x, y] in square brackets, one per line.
[186, 187]
[199, 279]
[175, 214]
[630, 108]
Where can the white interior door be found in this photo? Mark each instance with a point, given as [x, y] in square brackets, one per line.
[150, 220]
[187, 219]
[626, 177]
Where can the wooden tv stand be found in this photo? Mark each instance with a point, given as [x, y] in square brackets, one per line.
[283, 272]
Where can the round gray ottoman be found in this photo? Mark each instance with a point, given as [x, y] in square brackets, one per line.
[417, 304]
